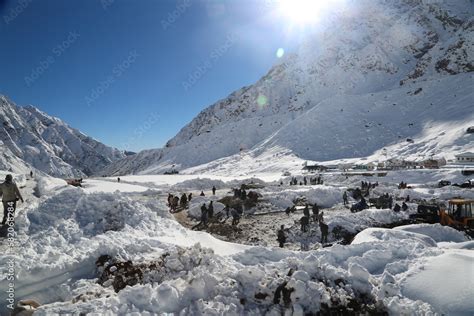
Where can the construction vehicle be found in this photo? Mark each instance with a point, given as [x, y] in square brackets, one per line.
[459, 214]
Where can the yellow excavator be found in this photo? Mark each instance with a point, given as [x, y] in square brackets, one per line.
[459, 214]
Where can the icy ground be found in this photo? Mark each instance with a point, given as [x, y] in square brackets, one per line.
[415, 269]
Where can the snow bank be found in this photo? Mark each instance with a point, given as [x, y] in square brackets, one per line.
[371, 235]
[48, 185]
[355, 222]
[446, 282]
[94, 185]
[61, 237]
[200, 184]
[325, 196]
[438, 232]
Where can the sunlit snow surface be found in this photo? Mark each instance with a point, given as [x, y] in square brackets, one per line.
[62, 234]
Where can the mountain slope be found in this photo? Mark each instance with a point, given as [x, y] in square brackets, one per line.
[30, 138]
[379, 72]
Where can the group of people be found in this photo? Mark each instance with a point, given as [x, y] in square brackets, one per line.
[403, 185]
[316, 216]
[397, 208]
[313, 181]
[207, 212]
[368, 185]
[240, 193]
[174, 201]
[207, 215]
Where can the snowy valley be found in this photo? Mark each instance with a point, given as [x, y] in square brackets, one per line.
[306, 218]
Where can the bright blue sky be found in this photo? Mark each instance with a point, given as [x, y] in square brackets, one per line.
[87, 81]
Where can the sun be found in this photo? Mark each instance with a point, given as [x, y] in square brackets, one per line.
[303, 12]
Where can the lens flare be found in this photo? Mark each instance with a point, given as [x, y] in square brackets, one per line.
[280, 52]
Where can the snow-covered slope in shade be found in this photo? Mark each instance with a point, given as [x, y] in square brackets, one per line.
[30, 138]
[377, 73]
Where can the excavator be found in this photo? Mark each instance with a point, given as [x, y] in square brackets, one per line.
[459, 214]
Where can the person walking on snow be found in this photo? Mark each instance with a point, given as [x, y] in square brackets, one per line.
[210, 210]
[213, 190]
[304, 221]
[404, 207]
[184, 201]
[202, 193]
[204, 215]
[10, 195]
[315, 212]
[306, 211]
[281, 238]
[324, 231]
[345, 199]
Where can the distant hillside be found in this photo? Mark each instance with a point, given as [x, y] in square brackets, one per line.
[30, 138]
[380, 72]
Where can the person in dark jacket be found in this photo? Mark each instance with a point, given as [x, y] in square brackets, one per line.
[288, 211]
[397, 208]
[10, 195]
[243, 194]
[213, 190]
[315, 212]
[184, 201]
[304, 221]
[306, 211]
[202, 193]
[324, 231]
[281, 237]
[210, 210]
[404, 207]
[204, 215]
[345, 198]
[190, 196]
[235, 217]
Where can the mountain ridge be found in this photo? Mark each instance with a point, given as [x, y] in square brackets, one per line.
[30, 138]
[368, 48]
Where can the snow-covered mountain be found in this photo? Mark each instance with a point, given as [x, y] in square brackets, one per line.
[30, 138]
[379, 72]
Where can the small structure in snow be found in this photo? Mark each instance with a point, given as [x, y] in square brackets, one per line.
[434, 163]
[315, 168]
[465, 158]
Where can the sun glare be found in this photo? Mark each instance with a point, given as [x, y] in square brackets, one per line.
[303, 12]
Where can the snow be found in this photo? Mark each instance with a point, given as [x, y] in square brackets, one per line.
[371, 235]
[450, 280]
[438, 232]
[92, 186]
[386, 72]
[67, 229]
